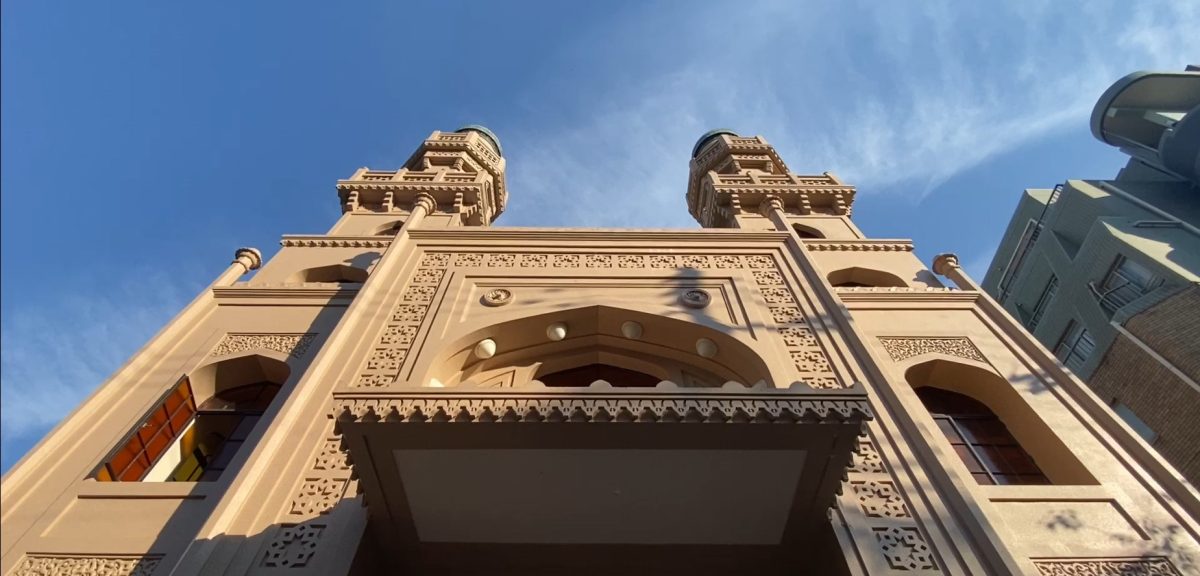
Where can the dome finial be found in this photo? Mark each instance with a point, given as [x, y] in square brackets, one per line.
[491, 136]
[709, 136]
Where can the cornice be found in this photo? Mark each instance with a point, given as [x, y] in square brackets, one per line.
[310, 291]
[602, 403]
[894, 294]
[319, 241]
[419, 186]
[859, 245]
[597, 234]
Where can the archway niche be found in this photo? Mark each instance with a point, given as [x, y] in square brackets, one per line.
[950, 389]
[229, 398]
[389, 229]
[339, 273]
[807, 232]
[595, 348]
[856, 276]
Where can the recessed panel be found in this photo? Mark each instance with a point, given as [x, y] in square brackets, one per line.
[600, 496]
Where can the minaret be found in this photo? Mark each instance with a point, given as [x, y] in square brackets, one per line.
[731, 176]
[463, 171]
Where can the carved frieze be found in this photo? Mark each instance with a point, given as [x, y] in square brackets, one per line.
[62, 565]
[508, 407]
[294, 345]
[857, 246]
[329, 242]
[293, 546]
[903, 348]
[1108, 567]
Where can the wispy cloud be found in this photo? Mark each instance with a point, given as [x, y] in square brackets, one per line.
[895, 98]
[51, 358]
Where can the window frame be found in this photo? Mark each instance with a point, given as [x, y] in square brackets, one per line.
[1043, 302]
[1075, 332]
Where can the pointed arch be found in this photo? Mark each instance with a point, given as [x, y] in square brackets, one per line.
[665, 350]
[858, 276]
[1008, 442]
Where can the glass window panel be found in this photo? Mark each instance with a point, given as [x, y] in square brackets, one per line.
[1017, 461]
[969, 459]
[992, 459]
[225, 456]
[243, 428]
[136, 469]
[983, 478]
[985, 431]
[948, 429]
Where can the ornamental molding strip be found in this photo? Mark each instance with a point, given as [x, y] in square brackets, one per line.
[858, 245]
[590, 405]
[294, 345]
[903, 348]
[1108, 567]
[63, 565]
[335, 242]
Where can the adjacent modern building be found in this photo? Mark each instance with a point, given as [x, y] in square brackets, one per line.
[1104, 272]
[418, 391]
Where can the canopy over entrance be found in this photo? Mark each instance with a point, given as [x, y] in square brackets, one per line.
[661, 479]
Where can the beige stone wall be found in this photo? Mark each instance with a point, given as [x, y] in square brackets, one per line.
[291, 503]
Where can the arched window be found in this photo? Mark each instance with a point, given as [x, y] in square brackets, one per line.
[200, 425]
[585, 375]
[990, 452]
[339, 273]
[848, 277]
[806, 231]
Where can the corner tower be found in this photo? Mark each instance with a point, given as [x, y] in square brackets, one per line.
[731, 176]
[463, 172]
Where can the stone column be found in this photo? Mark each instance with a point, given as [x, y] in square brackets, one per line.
[244, 260]
[423, 204]
[947, 265]
[772, 208]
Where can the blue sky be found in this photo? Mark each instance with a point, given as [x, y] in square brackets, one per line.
[144, 141]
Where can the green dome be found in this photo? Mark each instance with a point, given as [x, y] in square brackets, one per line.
[487, 133]
[709, 136]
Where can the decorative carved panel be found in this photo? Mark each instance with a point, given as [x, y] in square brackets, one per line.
[903, 348]
[386, 360]
[806, 353]
[45, 565]
[294, 345]
[332, 456]
[866, 459]
[318, 496]
[293, 546]
[905, 549]
[879, 499]
[1108, 567]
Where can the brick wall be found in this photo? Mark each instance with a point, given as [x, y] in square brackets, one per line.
[1165, 402]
